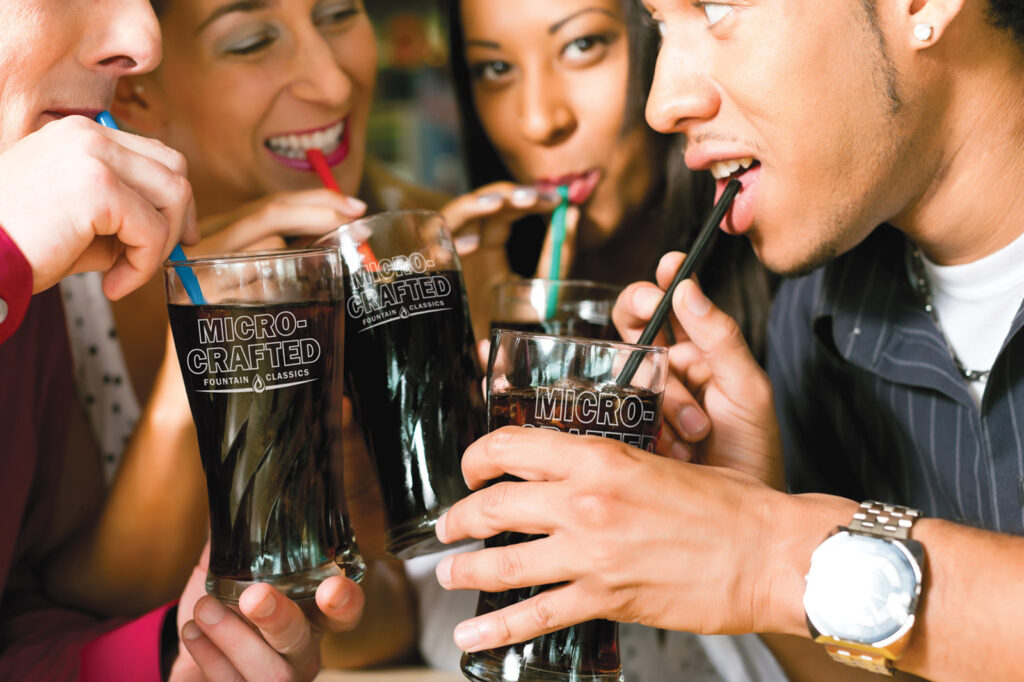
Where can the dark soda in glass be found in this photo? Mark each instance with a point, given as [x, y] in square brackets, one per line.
[264, 384]
[587, 652]
[415, 384]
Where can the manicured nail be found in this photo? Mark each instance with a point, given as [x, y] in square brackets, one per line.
[467, 243]
[265, 607]
[212, 612]
[338, 600]
[692, 421]
[490, 200]
[550, 195]
[191, 631]
[524, 196]
[467, 636]
[441, 527]
[444, 571]
[356, 204]
[695, 300]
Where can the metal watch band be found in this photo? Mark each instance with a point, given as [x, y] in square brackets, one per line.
[876, 663]
[884, 520]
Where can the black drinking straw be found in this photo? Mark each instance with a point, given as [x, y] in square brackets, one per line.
[701, 245]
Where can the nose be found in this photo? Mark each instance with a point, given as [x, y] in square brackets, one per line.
[545, 113]
[682, 93]
[120, 37]
[317, 72]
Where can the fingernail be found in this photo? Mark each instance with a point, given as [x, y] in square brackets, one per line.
[212, 612]
[467, 636]
[191, 631]
[646, 298]
[356, 204]
[265, 607]
[679, 451]
[550, 195]
[692, 421]
[444, 571]
[490, 199]
[695, 300]
[338, 601]
[524, 196]
[441, 527]
[466, 243]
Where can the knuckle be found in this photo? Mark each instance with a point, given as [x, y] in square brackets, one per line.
[462, 571]
[510, 566]
[592, 506]
[496, 498]
[542, 613]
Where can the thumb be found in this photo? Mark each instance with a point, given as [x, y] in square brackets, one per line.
[718, 338]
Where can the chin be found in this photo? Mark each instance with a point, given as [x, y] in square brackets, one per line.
[796, 261]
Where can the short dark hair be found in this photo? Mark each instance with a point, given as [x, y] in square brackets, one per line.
[1008, 15]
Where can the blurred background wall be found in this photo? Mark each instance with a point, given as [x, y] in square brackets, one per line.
[413, 127]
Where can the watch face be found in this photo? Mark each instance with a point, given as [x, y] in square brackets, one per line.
[860, 588]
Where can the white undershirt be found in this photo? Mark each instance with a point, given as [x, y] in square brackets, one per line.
[976, 303]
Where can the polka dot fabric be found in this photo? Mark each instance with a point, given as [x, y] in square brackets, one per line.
[101, 377]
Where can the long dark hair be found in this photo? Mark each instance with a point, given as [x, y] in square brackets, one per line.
[731, 275]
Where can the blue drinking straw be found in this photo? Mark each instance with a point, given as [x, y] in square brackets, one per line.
[188, 278]
[558, 239]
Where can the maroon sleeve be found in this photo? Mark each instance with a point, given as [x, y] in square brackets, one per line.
[15, 286]
[131, 653]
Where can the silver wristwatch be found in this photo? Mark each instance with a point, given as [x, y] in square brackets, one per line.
[864, 586]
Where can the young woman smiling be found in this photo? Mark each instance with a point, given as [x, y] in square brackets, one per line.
[243, 91]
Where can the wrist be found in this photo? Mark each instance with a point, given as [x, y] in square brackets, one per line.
[797, 526]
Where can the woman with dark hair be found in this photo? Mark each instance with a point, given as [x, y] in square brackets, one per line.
[552, 93]
[568, 108]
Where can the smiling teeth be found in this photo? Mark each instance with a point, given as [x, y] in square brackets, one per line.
[723, 169]
[296, 146]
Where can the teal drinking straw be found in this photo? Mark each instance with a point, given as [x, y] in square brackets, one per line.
[188, 278]
[558, 239]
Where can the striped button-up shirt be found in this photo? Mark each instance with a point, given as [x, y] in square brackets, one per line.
[871, 405]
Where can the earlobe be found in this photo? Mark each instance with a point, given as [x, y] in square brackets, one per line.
[137, 105]
[929, 19]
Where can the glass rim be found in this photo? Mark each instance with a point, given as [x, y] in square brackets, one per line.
[530, 281]
[579, 341]
[248, 256]
[341, 229]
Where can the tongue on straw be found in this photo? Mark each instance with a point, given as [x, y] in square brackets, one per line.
[558, 239]
[701, 245]
[188, 278]
[319, 163]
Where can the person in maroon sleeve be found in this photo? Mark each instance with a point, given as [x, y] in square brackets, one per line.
[75, 196]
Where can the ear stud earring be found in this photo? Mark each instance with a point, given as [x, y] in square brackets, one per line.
[138, 89]
[923, 32]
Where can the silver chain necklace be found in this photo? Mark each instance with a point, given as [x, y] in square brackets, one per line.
[919, 280]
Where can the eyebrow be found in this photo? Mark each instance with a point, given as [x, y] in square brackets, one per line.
[555, 27]
[237, 6]
[552, 29]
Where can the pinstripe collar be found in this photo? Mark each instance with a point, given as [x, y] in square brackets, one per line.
[868, 314]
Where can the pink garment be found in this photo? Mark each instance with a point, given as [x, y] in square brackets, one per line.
[15, 286]
[39, 640]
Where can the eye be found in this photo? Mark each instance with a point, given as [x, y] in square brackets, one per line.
[334, 13]
[715, 11]
[252, 43]
[492, 70]
[587, 49]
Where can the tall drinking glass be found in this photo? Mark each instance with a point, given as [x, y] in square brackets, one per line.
[563, 307]
[568, 384]
[262, 361]
[411, 366]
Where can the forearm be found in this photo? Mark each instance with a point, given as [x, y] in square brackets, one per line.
[970, 608]
[387, 632]
[146, 539]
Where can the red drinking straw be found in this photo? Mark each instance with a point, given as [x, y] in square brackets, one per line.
[317, 159]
